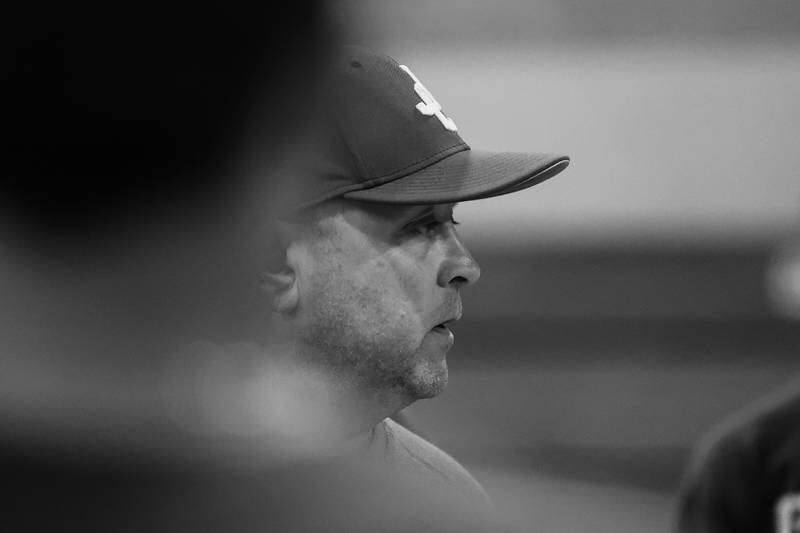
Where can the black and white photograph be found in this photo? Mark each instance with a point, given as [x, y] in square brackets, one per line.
[410, 266]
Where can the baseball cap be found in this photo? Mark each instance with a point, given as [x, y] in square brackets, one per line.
[389, 140]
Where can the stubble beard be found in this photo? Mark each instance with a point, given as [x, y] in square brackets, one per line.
[373, 356]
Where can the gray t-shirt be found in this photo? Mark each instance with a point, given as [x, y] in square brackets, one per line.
[395, 482]
[431, 486]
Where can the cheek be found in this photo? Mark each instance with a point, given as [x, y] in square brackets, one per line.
[369, 303]
[376, 294]
[393, 287]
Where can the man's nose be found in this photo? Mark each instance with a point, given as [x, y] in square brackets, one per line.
[459, 268]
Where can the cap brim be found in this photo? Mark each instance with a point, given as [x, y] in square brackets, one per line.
[466, 175]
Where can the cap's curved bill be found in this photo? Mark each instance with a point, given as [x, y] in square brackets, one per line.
[466, 175]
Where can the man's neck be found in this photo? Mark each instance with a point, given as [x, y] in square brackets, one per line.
[331, 401]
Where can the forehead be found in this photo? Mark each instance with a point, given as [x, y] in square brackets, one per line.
[336, 216]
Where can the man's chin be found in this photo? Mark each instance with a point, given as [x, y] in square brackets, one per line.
[427, 381]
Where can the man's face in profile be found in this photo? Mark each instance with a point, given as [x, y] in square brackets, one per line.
[377, 285]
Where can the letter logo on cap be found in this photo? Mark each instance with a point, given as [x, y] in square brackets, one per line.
[429, 106]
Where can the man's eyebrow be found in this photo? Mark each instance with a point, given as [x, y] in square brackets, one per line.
[438, 212]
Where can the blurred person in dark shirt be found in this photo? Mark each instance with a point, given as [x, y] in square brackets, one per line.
[744, 475]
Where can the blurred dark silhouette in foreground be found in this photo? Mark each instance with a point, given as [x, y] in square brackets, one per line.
[116, 117]
[139, 142]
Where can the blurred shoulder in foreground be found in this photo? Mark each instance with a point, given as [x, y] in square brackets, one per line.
[745, 473]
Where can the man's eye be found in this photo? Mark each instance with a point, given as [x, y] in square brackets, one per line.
[430, 225]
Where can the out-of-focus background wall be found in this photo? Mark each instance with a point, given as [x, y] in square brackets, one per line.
[636, 299]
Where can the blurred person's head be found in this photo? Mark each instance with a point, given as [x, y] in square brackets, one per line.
[783, 277]
[372, 265]
[134, 143]
[119, 120]
[139, 151]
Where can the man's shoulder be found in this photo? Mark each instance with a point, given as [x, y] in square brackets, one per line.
[424, 451]
[411, 447]
[752, 452]
[768, 424]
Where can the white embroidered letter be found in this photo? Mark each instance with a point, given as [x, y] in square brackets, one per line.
[429, 106]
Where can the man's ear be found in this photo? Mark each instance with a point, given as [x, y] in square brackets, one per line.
[282, 288]
[279, 278]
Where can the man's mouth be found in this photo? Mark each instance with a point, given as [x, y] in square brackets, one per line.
[443, 327]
